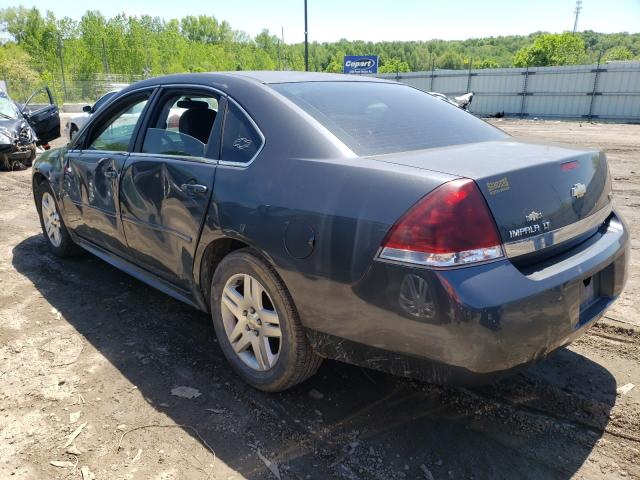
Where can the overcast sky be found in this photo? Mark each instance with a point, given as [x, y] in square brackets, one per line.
[330, 20]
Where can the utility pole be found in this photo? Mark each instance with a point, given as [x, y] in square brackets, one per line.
[60, 55]
[279, 55]
[306, 39]
[577, 12]
[284, 50]
[105, 62]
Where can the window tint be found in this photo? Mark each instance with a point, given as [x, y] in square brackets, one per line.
[102, 100]
[115, 135]
[240, 140]
[182, 126]
[377, 118]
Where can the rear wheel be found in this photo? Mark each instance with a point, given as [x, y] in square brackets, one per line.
[257, 324]
[55, 231]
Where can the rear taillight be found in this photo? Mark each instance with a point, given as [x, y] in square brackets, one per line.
[450, 226]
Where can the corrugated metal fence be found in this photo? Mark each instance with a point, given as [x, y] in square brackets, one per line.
[608, 91]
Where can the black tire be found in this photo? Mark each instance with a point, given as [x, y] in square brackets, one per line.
[67, 247]
[296, 361]
[72, 131]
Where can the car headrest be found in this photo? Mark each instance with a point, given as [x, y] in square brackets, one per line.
[188, 103]
[197, 123]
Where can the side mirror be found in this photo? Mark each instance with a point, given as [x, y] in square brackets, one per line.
[87, 109]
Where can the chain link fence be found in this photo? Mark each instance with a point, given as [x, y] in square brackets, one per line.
[81, 90]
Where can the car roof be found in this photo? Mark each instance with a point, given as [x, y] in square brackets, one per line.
[277, 76]
[228, 80]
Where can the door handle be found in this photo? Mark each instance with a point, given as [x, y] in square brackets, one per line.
[194, 188]
[110, 172]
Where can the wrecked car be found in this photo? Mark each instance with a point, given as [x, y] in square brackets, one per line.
[337, 216]
[23, 127]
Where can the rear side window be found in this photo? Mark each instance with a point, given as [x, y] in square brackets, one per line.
[241, 139]
[377, 118]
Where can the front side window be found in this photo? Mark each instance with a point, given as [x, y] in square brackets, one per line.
[183, 126]
[241, 140]
[374, 118]
[115, 134]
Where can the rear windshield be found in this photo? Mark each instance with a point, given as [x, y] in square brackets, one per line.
[378, 118]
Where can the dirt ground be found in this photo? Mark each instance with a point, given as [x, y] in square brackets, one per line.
[91, 359]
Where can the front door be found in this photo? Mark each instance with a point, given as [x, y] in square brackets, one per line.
[42, 114]
[92, 174]
[167, 182]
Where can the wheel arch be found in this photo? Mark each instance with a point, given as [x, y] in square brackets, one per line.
[212, 255]
[48, 167]
[37, 179]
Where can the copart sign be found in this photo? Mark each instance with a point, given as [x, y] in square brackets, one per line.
[361, 64]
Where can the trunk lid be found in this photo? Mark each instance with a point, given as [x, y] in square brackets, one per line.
[530, 188]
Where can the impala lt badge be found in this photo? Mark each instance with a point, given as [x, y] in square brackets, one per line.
[578, 190]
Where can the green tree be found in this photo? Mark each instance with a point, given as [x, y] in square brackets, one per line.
[552, 49]
[618, 53]
[336, 63]
[450, 60]
[15, 68]
[394, 65]
[133, 45]
[486, 63]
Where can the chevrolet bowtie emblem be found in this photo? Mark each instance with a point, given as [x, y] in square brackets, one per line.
[578, 190]
[533, 216]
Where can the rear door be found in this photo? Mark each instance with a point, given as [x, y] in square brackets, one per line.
[92, 169]
[167, 181]
[42, 114]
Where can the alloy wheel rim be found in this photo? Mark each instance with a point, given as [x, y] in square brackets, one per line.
[51, 219]
[251, 322]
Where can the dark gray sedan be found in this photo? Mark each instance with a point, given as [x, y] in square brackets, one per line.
[318, 215]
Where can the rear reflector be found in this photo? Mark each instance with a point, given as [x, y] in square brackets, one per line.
[451, 226]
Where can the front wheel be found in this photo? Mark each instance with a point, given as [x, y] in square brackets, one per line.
[257, 324]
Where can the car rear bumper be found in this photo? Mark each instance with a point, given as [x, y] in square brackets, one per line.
[477, 320]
